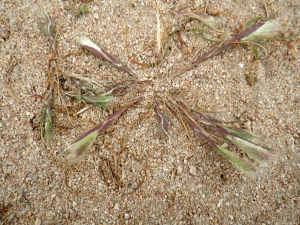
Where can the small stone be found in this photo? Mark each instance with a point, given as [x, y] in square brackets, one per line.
[37, 221]
[95, 8]
[247, 125]
[251, 117]
[296, 200]
[193, 170]
[117, 207]
[224, 145]
[96, 16]
[153, 165]
[31, 34]
[243, 99]
[179, 169]
[30, 140]
[217, 97]
[126, 216]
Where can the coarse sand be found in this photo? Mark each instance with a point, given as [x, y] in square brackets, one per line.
[186, 181]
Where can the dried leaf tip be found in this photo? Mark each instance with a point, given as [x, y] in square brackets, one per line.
[206, 19]
[85, 41]
[48, 28]
[242, 165]
[268, 30]
[253, 151]
[96, 50]
[80, 148]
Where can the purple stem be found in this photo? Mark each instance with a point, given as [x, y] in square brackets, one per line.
[50, 30]
[211, 123]
[104, 55]
[198, 129]
[121, 86]
[217, 49]
[104, 125]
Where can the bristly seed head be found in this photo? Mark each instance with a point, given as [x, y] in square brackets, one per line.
[269, 30]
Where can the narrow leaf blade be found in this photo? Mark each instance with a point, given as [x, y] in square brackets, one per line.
[241, 164]
[96, 50]
[161, 119]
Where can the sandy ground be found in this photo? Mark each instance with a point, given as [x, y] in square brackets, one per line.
[187, 182]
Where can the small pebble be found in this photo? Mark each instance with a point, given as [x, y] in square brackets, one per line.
[126, 216]
[179, 169]
[193, 170]
[96, 16]
[37, 221]
[117, 207]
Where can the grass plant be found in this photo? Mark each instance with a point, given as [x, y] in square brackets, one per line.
[244, 150]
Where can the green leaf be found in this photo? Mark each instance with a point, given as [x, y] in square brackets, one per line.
[253, 151]
[101, 104]
[252, 21]
[80, 148]
[241, 164]
[70, 6]
[46, 122]
[242, 133]
[96, 99]
[77, 13]
[84, 8]
[255, 52]
[200, 33]
[48, 126]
